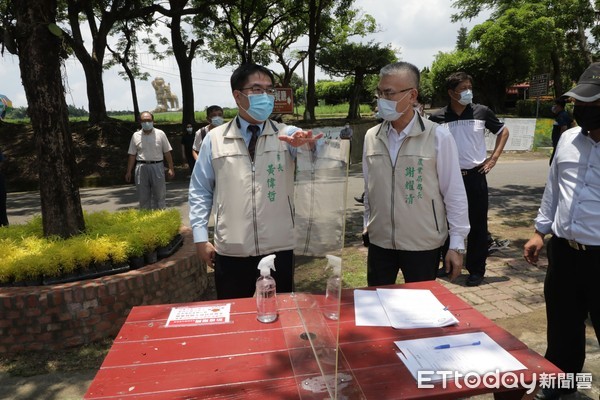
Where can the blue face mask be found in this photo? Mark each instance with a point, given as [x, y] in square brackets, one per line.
[147, 126]
[261, 106]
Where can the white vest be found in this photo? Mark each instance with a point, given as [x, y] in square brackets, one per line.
[253, 202]
[407, 211]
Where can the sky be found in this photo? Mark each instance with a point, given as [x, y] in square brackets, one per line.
[419, 29]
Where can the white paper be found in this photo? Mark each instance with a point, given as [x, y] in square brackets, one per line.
[202, 315]
[368, 310]
[487, 357]
[414, 308]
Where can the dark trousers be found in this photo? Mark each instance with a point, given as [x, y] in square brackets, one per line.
[383, 265]
[571, 292]
[236, 276]
[3, 216]
[477, 241]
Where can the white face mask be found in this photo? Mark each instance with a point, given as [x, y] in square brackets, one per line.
[386, 109]
[147, 126]
[216, 120]
[466, 97]
[189, 130]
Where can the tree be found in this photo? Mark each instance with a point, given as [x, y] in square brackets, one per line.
[243, 28]
[125, 55]
[39, 46]
[461, 39]
[549, 35]
[357, 60]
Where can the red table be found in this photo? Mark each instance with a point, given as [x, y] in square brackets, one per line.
[246, 359]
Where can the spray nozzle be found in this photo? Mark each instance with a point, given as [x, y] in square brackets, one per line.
[335, 263]
[266, 265]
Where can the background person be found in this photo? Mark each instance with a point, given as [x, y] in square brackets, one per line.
[562, 122]
[214, 116]
[570, 211]
[187, 142]
[245, 168]
[468, 122]
[147, 150]
[412, 185]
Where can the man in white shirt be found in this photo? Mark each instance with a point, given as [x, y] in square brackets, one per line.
[570, 211]
[147, 150]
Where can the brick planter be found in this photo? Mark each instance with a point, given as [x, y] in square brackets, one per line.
[58, 316]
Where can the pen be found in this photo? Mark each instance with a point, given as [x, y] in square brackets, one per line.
[448, 346]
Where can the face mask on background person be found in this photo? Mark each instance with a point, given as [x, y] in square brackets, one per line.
[386, 109]
[147, 126]
[587, 117]
[216, 120]
[261, 106]
[466, 97]
[189, 129]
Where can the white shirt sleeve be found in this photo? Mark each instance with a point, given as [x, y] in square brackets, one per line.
[452, 188]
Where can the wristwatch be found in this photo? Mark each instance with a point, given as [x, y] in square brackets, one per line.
[459, 251]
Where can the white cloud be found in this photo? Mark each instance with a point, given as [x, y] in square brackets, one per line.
[418, 28]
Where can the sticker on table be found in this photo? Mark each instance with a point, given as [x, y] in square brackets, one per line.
[201, 315]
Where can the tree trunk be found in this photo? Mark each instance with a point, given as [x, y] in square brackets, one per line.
[315, 8]
[354, 109]
[136, 106]
[184, 62]
[95, 91]
[39, 63]
[556, 68]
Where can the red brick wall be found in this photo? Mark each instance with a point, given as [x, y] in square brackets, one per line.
[71, 314]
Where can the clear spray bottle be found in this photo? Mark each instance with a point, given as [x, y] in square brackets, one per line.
[334, 287]
[266, 300]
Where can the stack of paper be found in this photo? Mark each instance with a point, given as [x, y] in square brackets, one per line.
[446, 356]
[401, 309]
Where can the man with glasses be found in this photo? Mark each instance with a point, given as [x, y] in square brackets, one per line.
[468, 123]
[570, 211]
[412, 186]
[245, 170]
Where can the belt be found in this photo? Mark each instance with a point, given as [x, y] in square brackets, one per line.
[465, 172]
[148, 162]
[581, 247]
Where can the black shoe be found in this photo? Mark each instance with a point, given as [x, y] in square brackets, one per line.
[441, 273]
[474, 280]
[360, 199]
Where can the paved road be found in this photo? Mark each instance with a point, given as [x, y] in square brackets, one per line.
[22, 206]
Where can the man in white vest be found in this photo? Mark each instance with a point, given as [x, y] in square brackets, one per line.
[245, 170]
[412, 186]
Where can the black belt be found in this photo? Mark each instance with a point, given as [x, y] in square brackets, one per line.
[581, 247]
[470, 171]
[148, 162]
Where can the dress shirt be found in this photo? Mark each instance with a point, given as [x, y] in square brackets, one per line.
[449, 176]
[570, 206]
[202, 182]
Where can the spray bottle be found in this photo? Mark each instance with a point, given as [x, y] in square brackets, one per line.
[334, 287]
[266, 300]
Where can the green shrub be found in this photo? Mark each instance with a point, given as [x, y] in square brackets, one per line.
[109, 237]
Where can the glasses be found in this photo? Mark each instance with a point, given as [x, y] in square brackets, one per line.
[386, 94]
[261, 90]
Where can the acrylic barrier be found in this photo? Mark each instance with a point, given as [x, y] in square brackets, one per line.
[320, 204]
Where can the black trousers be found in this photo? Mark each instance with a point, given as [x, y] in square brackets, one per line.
[236, 276]
[571, 292]
[477, 241]
[383, 265]
[3, 216]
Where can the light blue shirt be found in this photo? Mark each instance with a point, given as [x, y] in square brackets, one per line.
[202, 182]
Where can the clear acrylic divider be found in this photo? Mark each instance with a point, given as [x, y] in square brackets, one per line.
[311, 319]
